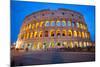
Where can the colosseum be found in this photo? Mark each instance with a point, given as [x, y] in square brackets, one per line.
[47, 29]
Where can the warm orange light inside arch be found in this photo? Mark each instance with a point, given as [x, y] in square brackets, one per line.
[40, 34]
[35, 34]
[79, 34]
[51, 32]
[27, 35]
[64, 32]
[41, 24]
[31, 34]
[82, 34]
[75, 33]
[69, 32]
[37, 24]
[58, 32]
[32, 26]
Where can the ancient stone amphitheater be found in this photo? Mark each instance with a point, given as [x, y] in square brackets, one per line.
[47, 29]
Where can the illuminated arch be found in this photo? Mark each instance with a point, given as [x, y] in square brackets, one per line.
[52, 44]
[27, 35]
[76, 44]
[37, 24]
[41, 23]
[80, 44]
[40, 46]
[58, 23]
[35, 34]
[82, 34]
[63, 23]
[65, 44]
[84, 44]
[77, 24]
[47, 23]
[79, 34]
[40, 34]
[75, 33]
[69, 23]
[35, 46]
[31, 34]
[69, 32]
[32, 26]
[81, 25]
[53, 23]
[88, 44]
[52, 33]
[64, 33]
[71, 44]
[58, 33]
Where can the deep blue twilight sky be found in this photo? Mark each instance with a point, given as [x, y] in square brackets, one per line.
[20, 9]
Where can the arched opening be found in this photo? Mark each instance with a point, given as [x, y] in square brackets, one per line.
[52, 33]
[40, 46]
[30, 26]
[65, 44]
[58, 23]
[76, 44]
[79, 34]
[52, 44]
[58, 33]
[75, 33]
[77, 24]
[27, 35]
[31, 34]
[40, 34]
[63, 23]
[64, 33]
[81, 25]
[69, 23]
[71, 44]
[69, 32]
[47, 23]
[80, 44]
[44, 45]
[22, 36]
[82, 34]
[23, 46]
[84, 44]
[41, 24]
[37, 24]
[35, 34]
[34, 46]
[58, 44]
[29, 45]
[52, 23]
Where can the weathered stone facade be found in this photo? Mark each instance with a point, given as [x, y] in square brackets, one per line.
[53, 29]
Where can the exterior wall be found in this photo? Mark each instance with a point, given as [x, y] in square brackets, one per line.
[34, 24]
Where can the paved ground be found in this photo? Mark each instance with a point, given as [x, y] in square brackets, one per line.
[50, 57]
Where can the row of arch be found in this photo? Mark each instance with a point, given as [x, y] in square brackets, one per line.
[45, 45]
[55, 23]
[55, 33]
